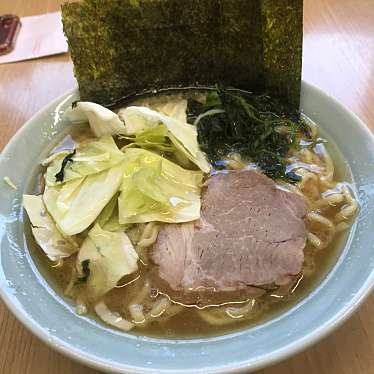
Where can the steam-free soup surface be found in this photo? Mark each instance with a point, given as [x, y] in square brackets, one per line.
[188, 323]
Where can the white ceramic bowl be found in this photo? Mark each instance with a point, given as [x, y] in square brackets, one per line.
[52, 318]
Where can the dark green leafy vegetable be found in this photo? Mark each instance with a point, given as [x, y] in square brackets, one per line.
[61, 174]
[194, 108]
[293, 177]
[85, 270]
[122, 47]
[258, 127]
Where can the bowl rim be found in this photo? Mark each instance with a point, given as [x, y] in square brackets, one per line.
[267, 359]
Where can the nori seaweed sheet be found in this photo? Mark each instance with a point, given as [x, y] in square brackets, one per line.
[121, 47]
[283, 39]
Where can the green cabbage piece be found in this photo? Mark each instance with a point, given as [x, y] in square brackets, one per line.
[155, 138]
[172, 106]
[107, 257]
[182, 135]
[75, 205]
[175, 108]
[101, 120]
[113, 223]
[54, 244]
[90, 158]
[107, 213]
[108, 218]
[156, 189]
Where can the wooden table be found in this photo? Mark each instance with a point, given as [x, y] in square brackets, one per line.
[338, 57]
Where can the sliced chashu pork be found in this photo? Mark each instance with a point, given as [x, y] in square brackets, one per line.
[251, 236]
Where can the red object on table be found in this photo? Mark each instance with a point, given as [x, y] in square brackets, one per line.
[9, 26]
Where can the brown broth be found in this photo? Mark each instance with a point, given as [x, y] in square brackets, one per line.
[188, 323]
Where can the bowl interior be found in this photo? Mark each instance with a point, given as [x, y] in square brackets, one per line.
[50, 317]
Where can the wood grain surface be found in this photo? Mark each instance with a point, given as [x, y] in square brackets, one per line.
[338, 57]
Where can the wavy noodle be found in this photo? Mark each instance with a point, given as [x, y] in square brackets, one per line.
[149, 235]
[144, 235]
[218, 318]
[342, 226]
[349, 209]
[314, 240]
[70, 287]
[225, 315]
[322, 195]
[160, 307]
[136, 312]
[327, 177]
[58, 264]
[142, 301]
[112, 318]
[309, 185]
[142, 294]
[325, 228]
[240, 312]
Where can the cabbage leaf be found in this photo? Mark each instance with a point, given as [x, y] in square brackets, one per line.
[101, 120]
[172, 106]
[76, 204]
[108, 256]
[113, 223]
[90, 158]
[107, 213]
[156, 189]
[108, 218]
[45, 232]
[175, 108]
[183, 135]
[155, 138]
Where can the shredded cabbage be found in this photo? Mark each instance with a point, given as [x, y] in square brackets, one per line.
[156, 189]
[182, 135]
[76, 204]
[46, 234]
[110, 256]
[91, 158]
[102, 120]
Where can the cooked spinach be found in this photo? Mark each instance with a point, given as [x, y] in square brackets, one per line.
[194, 108]
[85, 270]
[61, 174]
[256, 126]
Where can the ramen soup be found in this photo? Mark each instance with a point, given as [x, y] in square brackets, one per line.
[186, 215]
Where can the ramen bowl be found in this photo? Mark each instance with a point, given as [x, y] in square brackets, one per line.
[53, 319]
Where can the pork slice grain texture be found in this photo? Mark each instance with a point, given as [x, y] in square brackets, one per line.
[250, 234]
